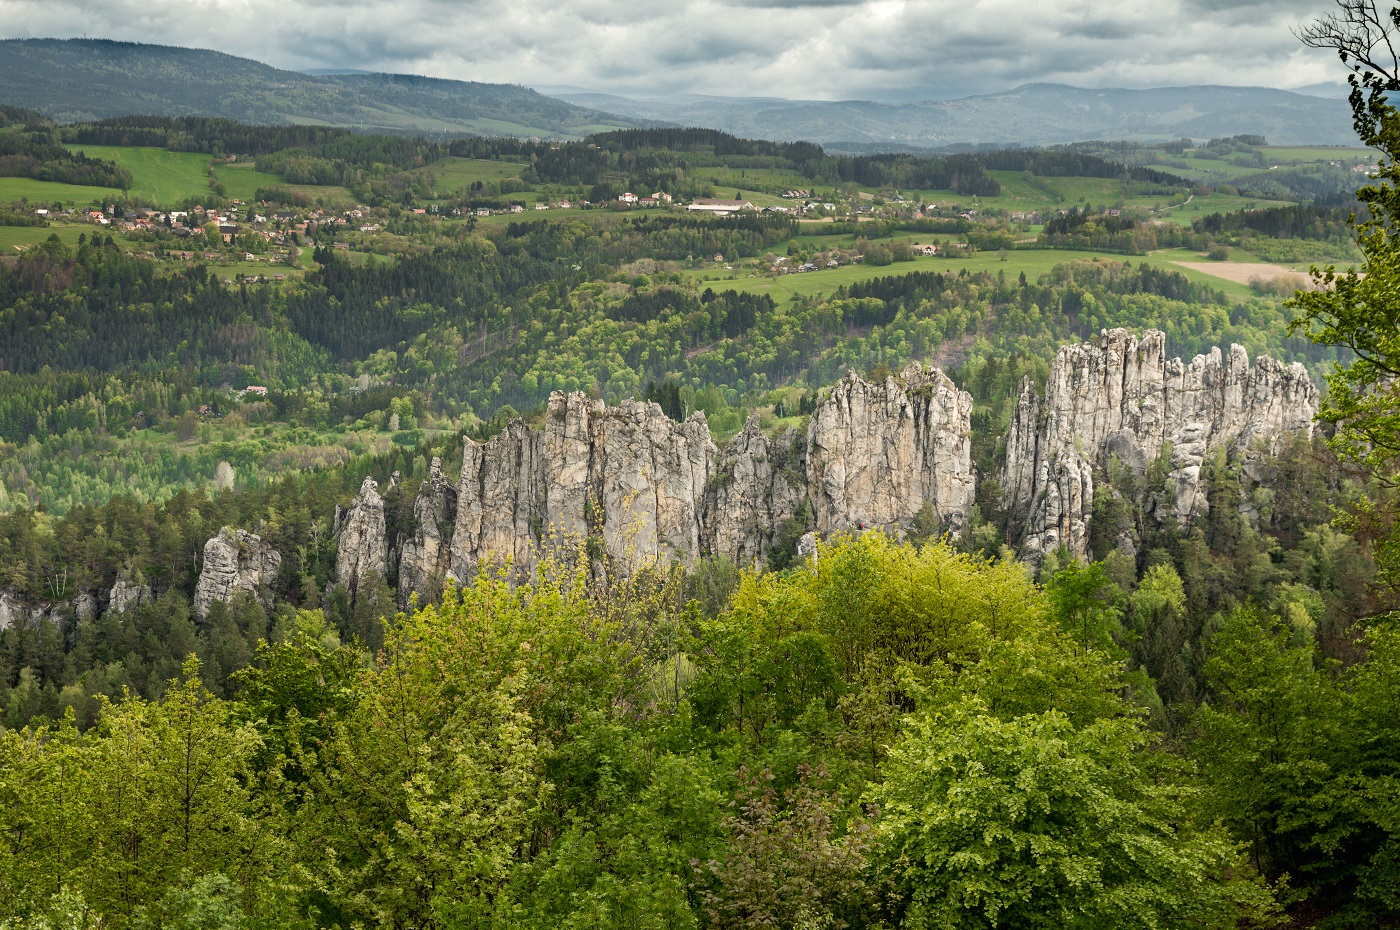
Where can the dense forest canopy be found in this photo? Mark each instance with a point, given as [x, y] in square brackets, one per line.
[1190, 726]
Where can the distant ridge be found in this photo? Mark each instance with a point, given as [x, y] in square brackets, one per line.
[1032, 114]
[82, 79]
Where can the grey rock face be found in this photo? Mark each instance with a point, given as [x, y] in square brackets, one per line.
[85, 607]
[627, 476]
[877, 452]
[234, 561]
[426, 554]
[638, 486]
[362, 551]
[1123, 398]
[759, 483]
[12, 612]
[126, 594]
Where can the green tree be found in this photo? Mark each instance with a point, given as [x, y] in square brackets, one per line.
[1034, 822]
[1356, 309]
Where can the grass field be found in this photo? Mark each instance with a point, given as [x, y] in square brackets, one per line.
[243, 180]
[11, 236]
[13, 190]
[1033, 262]
[455, 174]
[159, 176]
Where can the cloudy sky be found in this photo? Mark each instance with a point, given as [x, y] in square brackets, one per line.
[814, 49]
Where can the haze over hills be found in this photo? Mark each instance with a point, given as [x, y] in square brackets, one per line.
[1032, 114]
[82, 79]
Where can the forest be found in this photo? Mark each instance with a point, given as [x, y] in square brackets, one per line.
[1192, 726]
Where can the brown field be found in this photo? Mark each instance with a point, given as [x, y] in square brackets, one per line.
[1245, 272]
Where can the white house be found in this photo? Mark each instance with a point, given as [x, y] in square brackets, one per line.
[720, 207]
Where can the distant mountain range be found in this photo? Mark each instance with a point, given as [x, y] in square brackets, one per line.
[83, 79]
[1032, 114]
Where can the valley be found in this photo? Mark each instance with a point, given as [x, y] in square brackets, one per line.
[432, 503]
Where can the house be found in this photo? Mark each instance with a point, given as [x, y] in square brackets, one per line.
[516, 208]
[249, 257]
[719, 207]
[628, 197]
[541, 206]
[482, 211]
[925, 250]
[227, 232]
[647, 202]
[257, 390]
[661, 197]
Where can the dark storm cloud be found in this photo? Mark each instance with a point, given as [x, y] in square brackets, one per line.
[832, 49]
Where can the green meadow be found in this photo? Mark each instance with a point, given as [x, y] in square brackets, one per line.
[16, 190]
[158, 175]
[1031, 262]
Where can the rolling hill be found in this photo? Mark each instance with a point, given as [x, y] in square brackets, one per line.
[1032, 114]
[83, 79]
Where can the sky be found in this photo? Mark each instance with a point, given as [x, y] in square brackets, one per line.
[804, 49]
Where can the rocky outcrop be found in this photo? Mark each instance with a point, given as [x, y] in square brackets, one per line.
[126, 593]
[1122, 399]
[12, 610]
[878, 452]
[235, 561]
[362, 551]
[627, 478]
[628, 483]
[426, 555]
[759, 483]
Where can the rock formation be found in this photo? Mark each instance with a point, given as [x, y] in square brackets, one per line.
[234, 561]
[759, 483]
[427, 553]
[878, 452]
[126, 593]
[1124, 399]
[363, 550]
[12, 611]
[628, 477]
[630, 483]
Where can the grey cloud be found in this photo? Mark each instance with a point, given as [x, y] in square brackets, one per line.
[803, 49]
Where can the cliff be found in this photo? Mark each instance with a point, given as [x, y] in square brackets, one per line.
[1123, 399]
[632, 484]
[878, 452]
[362, 553]
[235, 561]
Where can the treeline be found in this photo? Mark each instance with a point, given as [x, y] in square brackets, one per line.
[1301, 221]
[710, 141]
[965, 174]
[1066, 162]
[207, 135]
[38, 155]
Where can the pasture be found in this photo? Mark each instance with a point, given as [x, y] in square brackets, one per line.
[160, 176]
[17, 190]
[242, 180]
[455, 175]
[1031, 262]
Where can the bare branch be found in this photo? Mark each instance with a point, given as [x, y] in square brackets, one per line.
[1363, 37]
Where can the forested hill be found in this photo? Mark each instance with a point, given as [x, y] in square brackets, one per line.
[82, 79]
[1032, 114]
